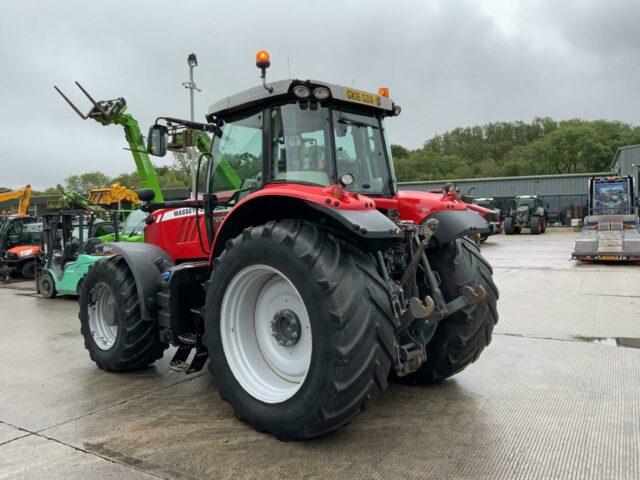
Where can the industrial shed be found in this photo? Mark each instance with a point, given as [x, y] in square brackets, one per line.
[566, 194]
[626, 161]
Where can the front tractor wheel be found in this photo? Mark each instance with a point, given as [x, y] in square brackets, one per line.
[114, 333]
[299, 328]
[461, 337]
[536, 225]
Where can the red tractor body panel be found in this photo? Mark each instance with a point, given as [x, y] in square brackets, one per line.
[332, 196]
[417, 205]
[320, 195]
[176, 230]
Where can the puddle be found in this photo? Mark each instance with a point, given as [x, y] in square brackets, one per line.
[626, 342]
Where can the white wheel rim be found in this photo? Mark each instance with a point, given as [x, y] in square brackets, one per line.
[102, 316]
[258, 299]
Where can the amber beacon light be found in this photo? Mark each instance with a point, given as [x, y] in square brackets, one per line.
[262, 59]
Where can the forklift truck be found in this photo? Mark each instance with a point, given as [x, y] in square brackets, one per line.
[70, 245]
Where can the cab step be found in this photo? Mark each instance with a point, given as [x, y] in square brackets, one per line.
[179, 362]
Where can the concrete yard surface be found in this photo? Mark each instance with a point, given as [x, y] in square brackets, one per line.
[555, 395]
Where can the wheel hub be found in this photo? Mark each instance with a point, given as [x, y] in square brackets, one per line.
[286, 328]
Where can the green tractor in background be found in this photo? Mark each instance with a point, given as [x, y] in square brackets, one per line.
[528, 211]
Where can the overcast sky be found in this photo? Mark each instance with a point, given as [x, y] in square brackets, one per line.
[448, 63]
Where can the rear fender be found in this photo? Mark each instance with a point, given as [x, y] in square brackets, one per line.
[454, 224]
[141, 259]
[355, 215]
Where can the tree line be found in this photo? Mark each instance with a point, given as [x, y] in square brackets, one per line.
[540, 147]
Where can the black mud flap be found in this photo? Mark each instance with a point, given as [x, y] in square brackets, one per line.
[454, 224]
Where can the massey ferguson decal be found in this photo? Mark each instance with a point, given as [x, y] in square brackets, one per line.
[219, 213]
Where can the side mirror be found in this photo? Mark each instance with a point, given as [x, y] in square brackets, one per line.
[157, 140]
[146, 195]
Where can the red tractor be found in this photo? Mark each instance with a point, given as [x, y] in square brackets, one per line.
[321, 281]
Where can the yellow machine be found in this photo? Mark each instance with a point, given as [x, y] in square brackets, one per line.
[112, 195]
[24, 194]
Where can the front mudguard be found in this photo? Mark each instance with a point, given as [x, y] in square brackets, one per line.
[454, 224]
[142, 259]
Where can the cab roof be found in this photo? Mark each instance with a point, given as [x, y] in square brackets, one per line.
[283, 88]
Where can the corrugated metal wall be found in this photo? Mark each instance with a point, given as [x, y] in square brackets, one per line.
[545, 185]
[627, 160]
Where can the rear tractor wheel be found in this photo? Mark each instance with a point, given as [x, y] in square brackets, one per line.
[301, 329]
[114, 333]
[461, 337]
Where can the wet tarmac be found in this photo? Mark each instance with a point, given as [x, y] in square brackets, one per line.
[556, 395]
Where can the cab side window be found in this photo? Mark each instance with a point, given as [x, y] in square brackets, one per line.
[240, 149]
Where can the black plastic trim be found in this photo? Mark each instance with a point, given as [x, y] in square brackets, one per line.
[141, 258]
[454, 224]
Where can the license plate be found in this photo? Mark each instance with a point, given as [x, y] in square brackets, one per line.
[359, 96]
[609, 257]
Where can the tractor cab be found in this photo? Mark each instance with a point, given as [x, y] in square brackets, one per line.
[306, 132]
[312, 138]
[317, 138]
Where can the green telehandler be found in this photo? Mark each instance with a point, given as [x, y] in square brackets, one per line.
[67, 256]
[114, 112]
